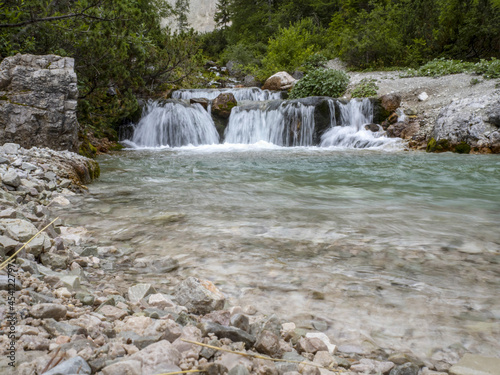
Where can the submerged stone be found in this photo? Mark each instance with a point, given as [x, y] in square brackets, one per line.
[472, 364]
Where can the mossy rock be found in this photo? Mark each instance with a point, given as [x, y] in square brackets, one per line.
[442, 145]
[462, 148]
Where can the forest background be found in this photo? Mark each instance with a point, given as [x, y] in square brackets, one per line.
[123, 51]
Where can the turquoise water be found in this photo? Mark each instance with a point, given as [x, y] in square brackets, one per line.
[389, 249]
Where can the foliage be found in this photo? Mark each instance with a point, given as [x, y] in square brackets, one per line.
[365, 88]
[120, 50]
[321, 82]
[291, 47]
[440, 67]
[318, 60]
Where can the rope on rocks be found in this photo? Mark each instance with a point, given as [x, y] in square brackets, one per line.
[335, 371]
[4, 264]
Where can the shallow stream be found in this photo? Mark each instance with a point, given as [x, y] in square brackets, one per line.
[381, 249]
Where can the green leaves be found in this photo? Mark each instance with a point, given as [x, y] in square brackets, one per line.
[321, 82]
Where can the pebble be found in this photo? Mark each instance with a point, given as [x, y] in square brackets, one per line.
[199, 296]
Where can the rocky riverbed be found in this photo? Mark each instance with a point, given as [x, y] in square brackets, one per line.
[72, 317]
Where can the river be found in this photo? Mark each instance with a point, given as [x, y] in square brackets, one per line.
[383, 249]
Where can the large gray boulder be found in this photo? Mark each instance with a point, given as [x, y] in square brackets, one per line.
[473, 121]
[38, 98]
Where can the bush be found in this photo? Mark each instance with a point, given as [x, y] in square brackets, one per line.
[321, 82]
[365, 89]
[489, 69]
[315, 61]
[291, 47]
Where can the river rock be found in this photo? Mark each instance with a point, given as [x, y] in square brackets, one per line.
[239, 370]
[140, 291]
[311, 345]
[75, 365]
[159, 354]
[406, 369]
[223, 104]
[471, 364]
[204, 102]
[10, 148]
[11, 178]
[240, 321]
[48, 310]
[199, 296]
[232, 333]
[371, 366]
[112, 312]
[14, 283]
[62, 328]
[384, 106]
[40, 105]
[279, 81]
[126, 367]
[268, 343]
[160, 301]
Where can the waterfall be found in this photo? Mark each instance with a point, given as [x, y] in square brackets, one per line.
[250, 93]
[290, 124]
[174, 124]
[350, 131]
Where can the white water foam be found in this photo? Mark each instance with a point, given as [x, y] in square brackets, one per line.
[249, 93]
[174, 124]
[350, 131]
[288, 125]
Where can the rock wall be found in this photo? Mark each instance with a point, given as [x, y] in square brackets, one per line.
[38, 98]
[200, 17]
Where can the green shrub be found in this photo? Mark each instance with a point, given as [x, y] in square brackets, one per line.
[315, 61]
[321, 82]
[291, 47]
[365, 89]
[474, 81]
[440, 67]
[488, 69]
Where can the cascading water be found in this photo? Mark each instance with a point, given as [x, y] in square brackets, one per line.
[174, 124]
[250, 93]
[289, 124]
[350, 131]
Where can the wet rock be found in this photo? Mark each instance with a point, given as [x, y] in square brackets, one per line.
[204, 102]
[406, 369]
[311, 345]
[140, 291]
[232, 333]
[199, 296]
[373, 127]
[471, 364]
[48, 310]
[223, 104]
[370, 366]
[14, 283]
[158, 354]
[268, 343]
[279, 81]
[126, 367]
[75, 365]
[388, 105]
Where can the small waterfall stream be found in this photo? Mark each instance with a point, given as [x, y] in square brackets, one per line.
[174, 124]
[290, 123]
[286, 125]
